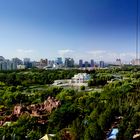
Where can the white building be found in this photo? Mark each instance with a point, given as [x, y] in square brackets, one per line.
[80, 78]
[20, 67]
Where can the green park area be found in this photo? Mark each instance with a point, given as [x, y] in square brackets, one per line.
[30, 107]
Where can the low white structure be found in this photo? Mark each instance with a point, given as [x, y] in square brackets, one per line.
[20, 67]
[60, 82]
[80, 78]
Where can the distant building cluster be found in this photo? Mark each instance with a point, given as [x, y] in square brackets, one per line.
[6, 64]
[16, 63]
[136, 62]
[92, 64]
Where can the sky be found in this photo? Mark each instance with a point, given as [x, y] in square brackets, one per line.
[82, 29]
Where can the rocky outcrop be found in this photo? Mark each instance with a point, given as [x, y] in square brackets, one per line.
[36, 110]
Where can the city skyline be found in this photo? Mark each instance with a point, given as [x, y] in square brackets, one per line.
[26, 63]
[91, 29]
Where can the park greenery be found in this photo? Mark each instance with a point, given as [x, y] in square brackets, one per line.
[82, 115]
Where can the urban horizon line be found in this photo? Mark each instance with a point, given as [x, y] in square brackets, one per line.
[75, 60]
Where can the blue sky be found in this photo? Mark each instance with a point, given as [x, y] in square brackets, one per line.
[87, 29]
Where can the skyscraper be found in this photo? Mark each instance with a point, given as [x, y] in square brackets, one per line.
[92, 63]
[69, 62]
[80, 63]
[10, 65]
[27, 63]
[118, 62]
[86, 64]
[43, 62]
[2, 58]
[59, 61]
[15, 62]
[102, 64]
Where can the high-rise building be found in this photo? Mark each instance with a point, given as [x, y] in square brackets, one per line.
[102, 64]
[69, 62]
[50, 63]
[2, 58]
[3, 65]
[80, 63]
[9, 65]
[59, 61]
[43, 62]
[27, 62]
[86, 64]
[35, 64]
[92, 63]
[15, 62]
[6, 64]
[118, 62]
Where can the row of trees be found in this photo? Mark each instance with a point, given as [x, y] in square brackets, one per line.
[32, 77]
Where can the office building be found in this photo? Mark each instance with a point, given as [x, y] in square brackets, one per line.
[81, 63]
[2, 58]
[92, 63]
[50, 63]
[59, 61]
[69, 62]
[27, 63]
[118, 62]
[86, 64]
[15, 62]
[9, 65]
[3, 65]
[43, 62]
[101, 64]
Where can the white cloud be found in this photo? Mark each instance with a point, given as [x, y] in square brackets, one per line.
[97, 55]
[24, 51]
[110, 56]
[66, 52]
[95, 52]
[128, 54]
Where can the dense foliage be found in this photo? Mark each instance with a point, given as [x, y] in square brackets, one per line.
[83, 115]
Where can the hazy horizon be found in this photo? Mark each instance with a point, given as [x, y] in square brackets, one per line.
[82, 29]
